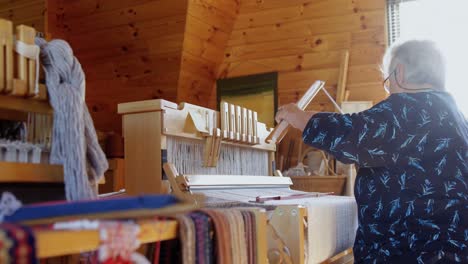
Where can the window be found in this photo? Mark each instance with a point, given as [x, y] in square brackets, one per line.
[254, 92]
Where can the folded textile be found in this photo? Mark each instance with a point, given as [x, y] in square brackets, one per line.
[187, 237]
[238, 239]
[204, 237]
[110, 205]
[250, 235]
[223, 236]
[218, 236]
[169, 252]
[17, 245]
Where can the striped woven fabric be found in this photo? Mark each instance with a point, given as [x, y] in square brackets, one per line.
[217, 236]
[17, 245]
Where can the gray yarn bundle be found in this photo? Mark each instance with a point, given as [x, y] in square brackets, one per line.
[74, 139]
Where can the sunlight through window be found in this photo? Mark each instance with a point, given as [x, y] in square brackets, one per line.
[446, 23]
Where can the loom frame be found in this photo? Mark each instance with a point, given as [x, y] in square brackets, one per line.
[146, 126]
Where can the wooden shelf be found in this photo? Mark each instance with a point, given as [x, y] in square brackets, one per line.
[23, 104]
[30, 172]
[51, 243]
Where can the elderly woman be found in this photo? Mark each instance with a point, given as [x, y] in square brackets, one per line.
[411, 150]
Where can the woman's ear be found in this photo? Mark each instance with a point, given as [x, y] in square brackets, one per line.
[400, 73]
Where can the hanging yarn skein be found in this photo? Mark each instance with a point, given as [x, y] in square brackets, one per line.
[74, 139]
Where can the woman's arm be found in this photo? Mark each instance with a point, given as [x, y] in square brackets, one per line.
[294, 116]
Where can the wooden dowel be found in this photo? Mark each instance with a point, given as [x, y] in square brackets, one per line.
[346, 97]
[343, 77]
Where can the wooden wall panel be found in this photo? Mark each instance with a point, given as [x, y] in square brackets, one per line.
[129, 49]
[27, 12]
[303, 41]
[209, 27]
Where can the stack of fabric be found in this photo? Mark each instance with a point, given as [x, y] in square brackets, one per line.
[214, 236]
[17, 244]
[118, 237]
[204, 236]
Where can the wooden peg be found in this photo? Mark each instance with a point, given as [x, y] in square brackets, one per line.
[224, 112]
[244, 124]
[238, 123]
[6, 56]
[249, 126]
[216, 147]
[207, 151]
[254, 125]
[232, 122]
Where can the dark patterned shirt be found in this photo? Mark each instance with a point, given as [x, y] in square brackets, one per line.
[411, 188]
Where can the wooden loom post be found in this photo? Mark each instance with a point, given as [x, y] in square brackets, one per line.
[287, 225]
[6, 56]
[143, 160]
[271, 163]
[341, 91]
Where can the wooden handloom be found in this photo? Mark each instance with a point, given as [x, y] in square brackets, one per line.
[157, 132]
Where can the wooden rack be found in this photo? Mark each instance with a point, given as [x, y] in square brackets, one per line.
[18, 100]
[23, 104]
[29, 172]
[50, 243]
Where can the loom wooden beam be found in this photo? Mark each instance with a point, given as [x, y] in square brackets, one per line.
[345, 257]
[29, 172]
[25, 105]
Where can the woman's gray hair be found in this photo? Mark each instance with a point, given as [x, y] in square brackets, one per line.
[422, 60]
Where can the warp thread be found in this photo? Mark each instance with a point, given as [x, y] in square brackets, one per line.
[74, 139]
[187, 156]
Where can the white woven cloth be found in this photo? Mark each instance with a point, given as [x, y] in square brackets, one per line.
[74, 139]
[331, 227]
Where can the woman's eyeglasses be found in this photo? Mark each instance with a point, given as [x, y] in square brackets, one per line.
[386, 82]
